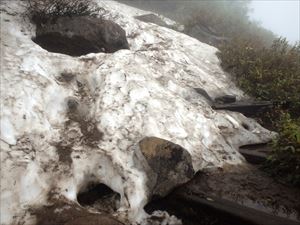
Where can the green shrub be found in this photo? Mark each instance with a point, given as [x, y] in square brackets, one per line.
[40, 11]
[285, 159]
[265, 73]
[271, 73]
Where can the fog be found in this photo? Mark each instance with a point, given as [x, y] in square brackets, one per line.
[229, 17]
[280, 16]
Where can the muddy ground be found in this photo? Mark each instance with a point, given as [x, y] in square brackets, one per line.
[232, 195]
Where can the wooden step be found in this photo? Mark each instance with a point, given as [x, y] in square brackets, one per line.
[246, 215]
[246, 108]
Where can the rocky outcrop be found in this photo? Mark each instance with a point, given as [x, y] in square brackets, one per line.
[78, 36]
[171, 164]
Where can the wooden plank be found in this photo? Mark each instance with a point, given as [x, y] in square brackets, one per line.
[246, 108]
[237, 211]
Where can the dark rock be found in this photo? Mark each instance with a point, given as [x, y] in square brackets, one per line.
[204, 93]
[171, 163]
[226, 99]
[78, 36]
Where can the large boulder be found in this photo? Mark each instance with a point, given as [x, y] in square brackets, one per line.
[81, 35]
[171, 164]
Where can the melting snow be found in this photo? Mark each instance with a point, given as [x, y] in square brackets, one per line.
[144, 91]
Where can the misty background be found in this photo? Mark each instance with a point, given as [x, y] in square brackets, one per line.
[281, 17]
[267, 19]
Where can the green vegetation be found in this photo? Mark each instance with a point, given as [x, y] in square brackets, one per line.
[40, 11]
[266, 73]
[285, 160]
[271, 73]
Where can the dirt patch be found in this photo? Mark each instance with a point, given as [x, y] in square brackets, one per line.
[64, 153]
[64, 212]
[91, 134]
[66, 77]
[233, 195]
[250, 187]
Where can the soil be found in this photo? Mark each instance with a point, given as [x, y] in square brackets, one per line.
[64, 154]
[63, 212]
[221, 194]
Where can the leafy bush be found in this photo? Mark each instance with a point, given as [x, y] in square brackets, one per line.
[40, 11]
[271, 73]
[266, 73]
[285, 160]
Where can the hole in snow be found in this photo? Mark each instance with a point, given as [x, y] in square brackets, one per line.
[80, 35]
[245, 126]
[99, 197]
[77, 46]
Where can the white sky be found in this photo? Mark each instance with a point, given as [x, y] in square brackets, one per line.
[280, 16]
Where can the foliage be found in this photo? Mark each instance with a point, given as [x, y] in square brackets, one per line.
[40, 11]
[271, 73]
[285, 160]
[266, 73]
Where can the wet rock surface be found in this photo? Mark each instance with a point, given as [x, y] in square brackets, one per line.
[78, 36]
[171, 163]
